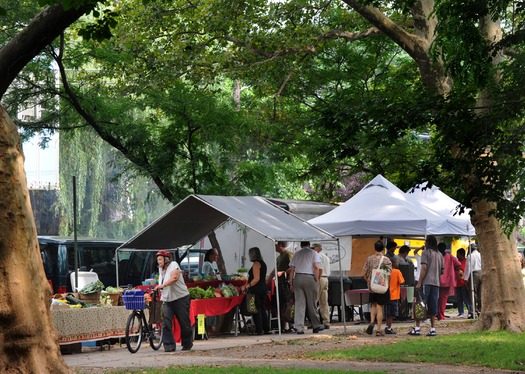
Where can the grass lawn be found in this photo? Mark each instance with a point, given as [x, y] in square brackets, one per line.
[499, 350]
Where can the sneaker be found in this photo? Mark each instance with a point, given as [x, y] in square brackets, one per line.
[413, 331]
[461, 315]
[370, 329]
[432, 333]
[389, 331]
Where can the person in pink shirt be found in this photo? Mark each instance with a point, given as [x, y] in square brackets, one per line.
[447, 281]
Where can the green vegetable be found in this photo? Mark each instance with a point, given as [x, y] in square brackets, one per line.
[209, 293]
[92, 287]
[196, 292]
[110, 289]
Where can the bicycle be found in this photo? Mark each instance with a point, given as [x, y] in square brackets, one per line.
[137, 328]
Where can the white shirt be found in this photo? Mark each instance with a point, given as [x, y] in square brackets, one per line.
[304, 259]
[473, 262]
[325, 262]
[175, 290]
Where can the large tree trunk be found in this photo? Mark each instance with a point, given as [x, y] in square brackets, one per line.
[28, 338]
[502, 290]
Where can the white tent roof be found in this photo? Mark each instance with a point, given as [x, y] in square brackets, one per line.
[381, 208]
[439, 201]
[197, 215]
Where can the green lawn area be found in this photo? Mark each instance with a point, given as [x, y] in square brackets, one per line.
[499, 350]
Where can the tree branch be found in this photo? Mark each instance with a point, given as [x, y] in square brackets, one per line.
[105, 135]
[40, 32]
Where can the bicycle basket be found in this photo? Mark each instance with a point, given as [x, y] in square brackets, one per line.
[134, 299]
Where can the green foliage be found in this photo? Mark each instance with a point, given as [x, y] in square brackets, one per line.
[104, 21]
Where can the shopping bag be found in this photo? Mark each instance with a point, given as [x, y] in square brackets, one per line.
[379, 279]
[249, 305]
[420, 307]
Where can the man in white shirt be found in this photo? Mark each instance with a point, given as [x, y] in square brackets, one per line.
[304, 279]
[322, 292]
[473, 276]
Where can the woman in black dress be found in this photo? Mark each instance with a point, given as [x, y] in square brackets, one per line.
[257, 285]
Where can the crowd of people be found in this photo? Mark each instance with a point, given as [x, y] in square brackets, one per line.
[302, 281]
[438, 275]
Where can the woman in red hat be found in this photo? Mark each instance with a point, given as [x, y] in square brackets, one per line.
[176, 302]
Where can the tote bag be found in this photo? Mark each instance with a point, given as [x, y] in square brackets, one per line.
[379, 279]
[420, 308]
[249, 306]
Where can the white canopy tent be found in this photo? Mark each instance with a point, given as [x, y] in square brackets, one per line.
[380, 208]
[198, 215]
[440, 202]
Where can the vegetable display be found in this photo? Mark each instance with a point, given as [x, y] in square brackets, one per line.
[226, 290]
[92, 287]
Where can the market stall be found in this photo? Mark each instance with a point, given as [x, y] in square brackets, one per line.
[198, 215]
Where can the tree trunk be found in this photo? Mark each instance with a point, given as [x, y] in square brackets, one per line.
[28, 338]
[502, 290]
[212, 237]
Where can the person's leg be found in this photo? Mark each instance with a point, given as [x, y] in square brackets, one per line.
[182, 313]
[387, 308]
[442, 302]
[373, 314]
[379, 317]
[257, 318]
[167, 327]
[264, 315]
[466, 300]
[311, 301]
[477, 290]
[432, 303]
[300, 303]
[323, 301]
[459, 301]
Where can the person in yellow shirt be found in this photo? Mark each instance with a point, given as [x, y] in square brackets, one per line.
[392, 307]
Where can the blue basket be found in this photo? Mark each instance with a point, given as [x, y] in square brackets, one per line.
[134, 299]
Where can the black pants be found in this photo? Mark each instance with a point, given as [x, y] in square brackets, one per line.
[261, 319]
[179, 309]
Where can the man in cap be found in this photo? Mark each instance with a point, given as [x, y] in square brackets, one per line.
[473, 276]
[322, 293]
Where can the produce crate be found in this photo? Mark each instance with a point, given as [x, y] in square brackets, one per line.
[134, 299]
[90, 298]
[114, 298]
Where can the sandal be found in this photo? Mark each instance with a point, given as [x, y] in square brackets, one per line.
[380, 333]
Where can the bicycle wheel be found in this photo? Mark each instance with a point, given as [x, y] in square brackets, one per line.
[134, 330]
[155, 338]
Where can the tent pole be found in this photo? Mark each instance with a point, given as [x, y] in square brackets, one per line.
[116, 266]
[276, 282]
[343, 301]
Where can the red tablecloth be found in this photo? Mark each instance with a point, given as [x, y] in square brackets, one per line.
[209, 307]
